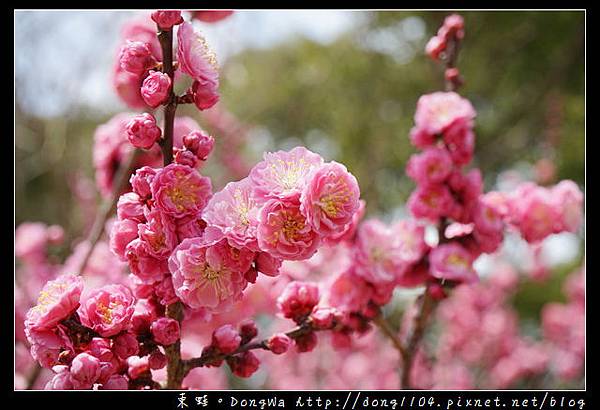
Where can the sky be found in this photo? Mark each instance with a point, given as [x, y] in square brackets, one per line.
[64, 58]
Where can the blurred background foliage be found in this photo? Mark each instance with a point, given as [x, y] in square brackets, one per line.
[353, 100]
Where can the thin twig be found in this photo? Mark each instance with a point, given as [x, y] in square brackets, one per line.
[387, 330]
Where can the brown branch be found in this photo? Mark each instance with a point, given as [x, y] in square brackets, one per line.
[294, 333]
[175, 368]
[119, 181]
[387, 330]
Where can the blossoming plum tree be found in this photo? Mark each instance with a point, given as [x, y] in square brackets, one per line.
[196, 256]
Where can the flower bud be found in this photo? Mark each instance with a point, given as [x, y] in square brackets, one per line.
[244, 365]
[226, 339]
[155, 88]
[165, 331]
[142, 131]
[248, 330]
[307, 342]
[279, 343]
[322, 317]
[166, 19]
[126, 345]
[85, 369]
[298, 299]
[135, 57]
[205, 94]
[157, 360]
[200, 144]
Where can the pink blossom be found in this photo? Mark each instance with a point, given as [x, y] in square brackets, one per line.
[190, 226]
[226, 339]
[85, 369]
[194, 56]
[298, 299]
[279, 343]
[166, 19]
[142, 180]
[431, 166]
[323, 317]
[164, 291]
[158, 234]
[57, 300]
[350, 229]
[142, 131]
[244, 365]
[107, 310]
[127, 86]
[157, 360]
[101, 348]
[377, 253]
[533, 212]
[30, 241]
[155, 88]
[116, 382]
[430, 201]
[137, 366]
[61, 381]
[123, 232]
[248, 330]
[185, 157]
[126, 345]
[284, 232]
[268, 264]
[569, 200]
[283, 174]
[135, 57]
[460, 141]
[421, 138]
[141, 28]
[211, 16]
[330, 198]
[453, 262]
[234, 212]
[131, 206]
[179, 190]
[206, 94]
[46, 345]
[146, 267]
[200, 143]
[205, 275]
[165, 331]
[410, 236]
[438, 110]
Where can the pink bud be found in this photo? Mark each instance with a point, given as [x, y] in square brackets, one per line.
[100, 348]
[322, 317]
[85, 369]
[307, 342]
[437, 291]
[205, 94]
[250, 275]
[185, 157]
[157, 360]
[126, 345]
[244, 365]
[166, 19]
[298, 299]
[155, 88]
[135, 57]
[268, 264]
[226, 339]
[142, 131]
[199, 143]
[56, 234]
[137, 366]
[279, 343]
[165, 331]
[60, 381]
[248, 330]
[116, 382]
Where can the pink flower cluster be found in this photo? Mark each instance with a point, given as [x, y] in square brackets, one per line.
[136, 77]
[89, 338]
[538, 211]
